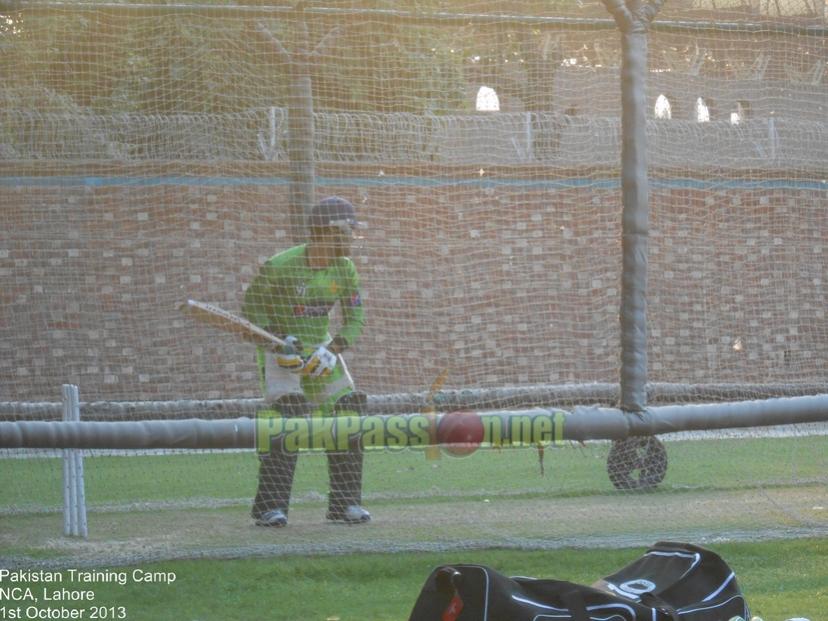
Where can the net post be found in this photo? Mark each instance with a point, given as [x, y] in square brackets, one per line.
[301, 132]
[633, 20]
[74, 494]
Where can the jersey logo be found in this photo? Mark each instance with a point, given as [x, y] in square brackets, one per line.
[318, 309]
[301, 289]
[355, 300]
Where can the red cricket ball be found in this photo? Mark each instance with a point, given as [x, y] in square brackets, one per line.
[460, 433]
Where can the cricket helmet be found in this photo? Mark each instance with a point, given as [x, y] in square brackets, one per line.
[337, 212]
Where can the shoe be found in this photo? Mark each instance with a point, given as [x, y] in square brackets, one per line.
[354, 514]
[275, 518]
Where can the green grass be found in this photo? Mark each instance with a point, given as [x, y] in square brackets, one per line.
[720, 464]
[780, 579]
[186, 505]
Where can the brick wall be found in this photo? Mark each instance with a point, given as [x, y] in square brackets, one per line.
[504, 281]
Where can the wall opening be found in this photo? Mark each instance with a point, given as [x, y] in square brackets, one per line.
[487, 100]
[740, 112]
[702, 110]
[663, 108]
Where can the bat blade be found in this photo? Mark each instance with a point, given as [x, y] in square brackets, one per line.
[212, 315]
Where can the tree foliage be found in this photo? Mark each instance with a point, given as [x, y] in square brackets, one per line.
[165, 62]
[208, 59]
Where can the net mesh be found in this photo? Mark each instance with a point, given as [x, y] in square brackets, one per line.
[146, 158]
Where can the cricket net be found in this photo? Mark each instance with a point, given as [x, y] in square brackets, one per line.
[147, 157]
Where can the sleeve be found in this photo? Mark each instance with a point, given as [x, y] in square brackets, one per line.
[259, 305]
[353, 314]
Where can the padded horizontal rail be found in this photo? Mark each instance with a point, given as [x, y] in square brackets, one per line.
[532, 425]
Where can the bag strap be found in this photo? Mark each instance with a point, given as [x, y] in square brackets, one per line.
[447, 582]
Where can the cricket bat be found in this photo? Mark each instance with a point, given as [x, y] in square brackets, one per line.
[212, 315]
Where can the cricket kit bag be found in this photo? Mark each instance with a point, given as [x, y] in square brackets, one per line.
[670, 582]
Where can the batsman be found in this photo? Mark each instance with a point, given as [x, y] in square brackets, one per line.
[292, 296]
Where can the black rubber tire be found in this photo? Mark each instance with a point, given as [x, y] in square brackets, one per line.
[638, 463]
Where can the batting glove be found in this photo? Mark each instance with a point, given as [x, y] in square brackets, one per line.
[321, 363]
[289, 357]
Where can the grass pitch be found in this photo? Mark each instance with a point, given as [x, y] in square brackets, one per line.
[188, 478]
[146, 508]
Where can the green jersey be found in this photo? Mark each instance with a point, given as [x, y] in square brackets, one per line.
[288, 297]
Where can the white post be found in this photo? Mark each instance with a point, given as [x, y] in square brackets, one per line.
[67, 486]
[80, 494]
[74, 494]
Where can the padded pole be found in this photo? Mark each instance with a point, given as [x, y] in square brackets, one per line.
[301, 134]
[633, 18]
